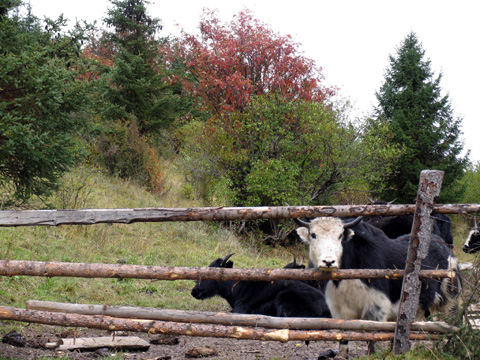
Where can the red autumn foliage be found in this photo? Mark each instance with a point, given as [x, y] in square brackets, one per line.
[227, 63]
[99, 53]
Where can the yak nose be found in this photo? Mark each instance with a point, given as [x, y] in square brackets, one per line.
[328, 263]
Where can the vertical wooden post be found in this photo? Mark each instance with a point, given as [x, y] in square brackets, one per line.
[428, 191]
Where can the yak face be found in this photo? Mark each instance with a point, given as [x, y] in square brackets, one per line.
[326, 236]
[205, 289]
[472, 245]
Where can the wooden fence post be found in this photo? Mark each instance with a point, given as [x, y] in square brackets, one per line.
[428, 191]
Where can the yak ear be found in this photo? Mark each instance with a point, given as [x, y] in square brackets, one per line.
[229, 264]
[303, 233]
[349, 234]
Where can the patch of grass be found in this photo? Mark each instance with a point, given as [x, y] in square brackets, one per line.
[418, 352]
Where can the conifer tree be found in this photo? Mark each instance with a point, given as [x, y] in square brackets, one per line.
[137, 88]
[422, 121]
[41, 101]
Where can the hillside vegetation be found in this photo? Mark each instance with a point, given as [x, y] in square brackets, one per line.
[161, 244]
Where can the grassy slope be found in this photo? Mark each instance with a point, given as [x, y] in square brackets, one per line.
[166, 244]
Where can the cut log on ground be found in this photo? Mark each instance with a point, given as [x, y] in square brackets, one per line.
[91, 343]
[123, 271]
[222, 331]
[232, 319]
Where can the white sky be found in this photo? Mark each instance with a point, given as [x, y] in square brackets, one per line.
[350, 39]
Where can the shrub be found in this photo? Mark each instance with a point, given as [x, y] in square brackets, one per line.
[124, 152]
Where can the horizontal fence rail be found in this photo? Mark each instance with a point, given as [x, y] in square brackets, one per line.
[128, 216]
[219, 318]
[122, 271]
[173, 328]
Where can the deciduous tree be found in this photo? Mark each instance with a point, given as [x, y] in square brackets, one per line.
[228, 63]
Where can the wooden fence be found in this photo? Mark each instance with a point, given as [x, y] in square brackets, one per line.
[283, 329]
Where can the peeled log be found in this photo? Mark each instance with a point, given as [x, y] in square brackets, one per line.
[123, 271]
[128, 216]
[231, 318]
[161, 327]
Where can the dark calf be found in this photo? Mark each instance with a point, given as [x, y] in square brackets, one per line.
[288, 298]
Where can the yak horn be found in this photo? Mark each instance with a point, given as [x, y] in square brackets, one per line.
[302, 223]
[226, 257]
[352, 223]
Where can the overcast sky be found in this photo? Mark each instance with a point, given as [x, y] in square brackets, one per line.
[350, 39]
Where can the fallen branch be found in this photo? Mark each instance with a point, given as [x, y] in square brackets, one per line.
[123, 271]
[232, 319]
[222, 331]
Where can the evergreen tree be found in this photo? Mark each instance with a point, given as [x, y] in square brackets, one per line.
[137, 88]
[422, 121]
[40, 97]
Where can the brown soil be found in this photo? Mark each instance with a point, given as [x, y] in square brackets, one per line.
[165, 347]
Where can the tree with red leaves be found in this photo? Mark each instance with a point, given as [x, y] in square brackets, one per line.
[228, 63]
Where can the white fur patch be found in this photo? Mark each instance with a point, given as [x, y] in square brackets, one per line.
[470, 234]
[353, 299]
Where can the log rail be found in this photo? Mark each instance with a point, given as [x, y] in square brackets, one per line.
[129, 216]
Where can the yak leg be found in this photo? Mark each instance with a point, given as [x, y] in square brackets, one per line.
[342, 350]
[370, 347]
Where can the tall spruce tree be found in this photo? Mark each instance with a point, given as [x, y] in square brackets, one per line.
[41, 100]
[422, 121]
[137, 87]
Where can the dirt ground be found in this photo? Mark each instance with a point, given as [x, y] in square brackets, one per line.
[165, 347]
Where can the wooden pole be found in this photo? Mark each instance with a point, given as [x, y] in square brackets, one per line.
[122, 271]
[161, 327]
[268, 322]
[428, 191]
[127, 216]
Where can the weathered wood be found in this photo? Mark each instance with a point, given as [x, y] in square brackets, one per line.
[127, 216]
[91, 343]
[230, 318]
[428, 192]
[92, 270]
[223, 331]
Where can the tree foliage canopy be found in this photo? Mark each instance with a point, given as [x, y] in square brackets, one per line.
[228, 63]
[278, 151]
[138, 84]
[40, 92]
[422, 121]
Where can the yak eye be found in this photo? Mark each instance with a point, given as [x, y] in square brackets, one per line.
[313, 235]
